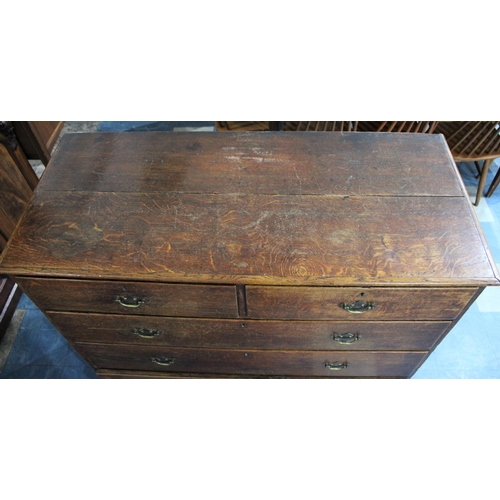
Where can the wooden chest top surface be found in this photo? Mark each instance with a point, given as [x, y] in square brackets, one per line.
[329, 208]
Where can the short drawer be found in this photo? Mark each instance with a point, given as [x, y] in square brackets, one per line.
[356, 304]
[120, 297]
[248, 362]
[248, 334]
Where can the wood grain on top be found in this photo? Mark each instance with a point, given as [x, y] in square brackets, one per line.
[257, 163]
[315, 209]
[249, 238]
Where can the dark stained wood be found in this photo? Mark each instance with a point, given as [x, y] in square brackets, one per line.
[138, 374]
[13, 150]
[3, 236]
[25, 168]
[251, 239]
[325, 302]
[7, 226]
[304, 363]
[14, 192]
[247, 334]
[37, 139]
[158, 299]
[291, 163]
[242, 300]
[18, 158]
[17, 180]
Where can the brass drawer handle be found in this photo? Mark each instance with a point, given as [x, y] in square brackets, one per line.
[346, 338]
[129, 300]
[336, 365]
[358, 307]
[163, 361]
[146, 333]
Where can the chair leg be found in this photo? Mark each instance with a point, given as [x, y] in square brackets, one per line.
[494, 184]
[478, 169]
[482, 181]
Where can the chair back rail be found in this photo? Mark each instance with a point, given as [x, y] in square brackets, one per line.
[474, 141]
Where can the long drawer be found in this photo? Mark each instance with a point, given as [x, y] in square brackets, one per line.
[356, 304]
[248, 334]
[257, 362]
[121, 297]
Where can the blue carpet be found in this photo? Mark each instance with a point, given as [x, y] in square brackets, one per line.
[40, 351]
[150, 126]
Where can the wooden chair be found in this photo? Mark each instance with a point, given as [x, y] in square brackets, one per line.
[286, 126]
[410, 127]
[474, 141]
[359, 126]
[241, 126]
[494, 184]
[328, 126]
[17, 181]
[320, 126]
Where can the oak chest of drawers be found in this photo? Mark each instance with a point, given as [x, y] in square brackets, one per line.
[254, 254]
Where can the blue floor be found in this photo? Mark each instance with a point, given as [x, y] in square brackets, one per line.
[471, 350]
[40, 351]
[152, 126]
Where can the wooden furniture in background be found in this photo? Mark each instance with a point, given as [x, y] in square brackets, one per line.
[473, 141]
[248, 126]
[262, 255]
[320, 126]
[37, 139]
[17, 181]
[330, 126]
[494, 184]
[15, 192]
[241, 126]
[409, 127]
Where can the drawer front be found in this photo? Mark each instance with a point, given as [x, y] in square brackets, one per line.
[356, 304]
[248, 334]
[132, 298]
[230, 361]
